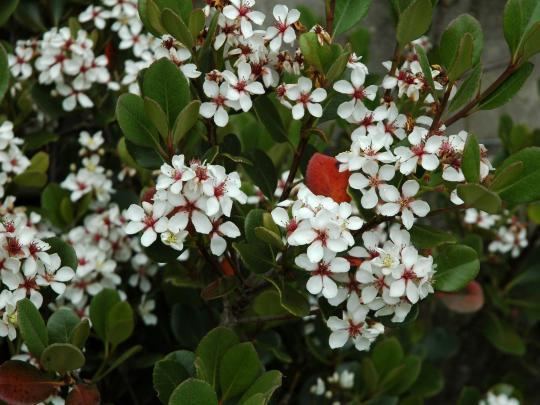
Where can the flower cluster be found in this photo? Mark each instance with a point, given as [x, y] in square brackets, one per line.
[510, 234]
[499, 399]
[27, 266]
[334, 385]
[12, 159]
[92, 176]
[194, 198]
[66, 61]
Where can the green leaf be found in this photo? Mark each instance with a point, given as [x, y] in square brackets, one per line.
[531, 42]
[265, 386]
[60, 325]
[99, 310]
[468, 89]
[257, 257]
[401, 378]
[429, 383]
[267, 236]
[463, 59]
[521, 27]
[427, 237]
[210, 351]
[309, 45]
[31, 179]
[268, 114]
[477, 196]
[66, 252]
[80, 333]
[291, 299]
[451, 40]
[133, 121]
[507, 176]
[414, 21]
[264, 173]
[149, 13]
[7, 7]
[426, 67]
[4, 70]
[186, 119]
[469, 396]
[32, 327]
[338, 67]
[240, 367]
[348, 13]
[119, 325]
[62, 357]
[509, 88]
[165, 83]
[196, 23]
[176, 27]
[157, 117]
[51, 198]
[167, 375]
[527, 188]
[193, 392]
[457, 265]
[471, 160]
[387, 355]
[502, 335]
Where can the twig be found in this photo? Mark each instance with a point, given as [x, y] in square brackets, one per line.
[330, 9]
[465, 111]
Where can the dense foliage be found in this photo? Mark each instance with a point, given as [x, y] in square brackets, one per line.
[204, 204]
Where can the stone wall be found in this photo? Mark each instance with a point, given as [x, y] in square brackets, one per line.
[524, 108]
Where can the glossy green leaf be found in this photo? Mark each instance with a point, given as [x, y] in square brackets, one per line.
[478, 196]
[239, 368]
[176, 27]
[196, 22]
[426, 67]
[80, 333]
[210, 351]
[463, 60]
[468, 89]
[99, 310]
[267, 236]
[348, 13]
[157, 117]
[453, 35]
[457, 265]
[120, 323]
[526, 188]
[414, 21]
[193, 392]
[257, 257]
[167, 375]
[62, 357]
[32, 327]
[165, 83]
[186, 119]
[7, 7]
[264, 386]
[427, 237]
[133, 121]
[60, 325]
[507, 176]
[267, 113]
[471, 160]
[387, 355]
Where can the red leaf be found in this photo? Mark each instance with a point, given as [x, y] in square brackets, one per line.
[324, 178]
[465, 302]
[83, 394]
[227, 268]
[22, 383]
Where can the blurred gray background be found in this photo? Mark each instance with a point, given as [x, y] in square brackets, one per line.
[524, 108]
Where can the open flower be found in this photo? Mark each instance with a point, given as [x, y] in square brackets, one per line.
[355, 88]
[368, 185]
[306, 98]
[216, 107]
[404, 202]
[149, 218]
[173, 177]
[242, 9]
[282, 30]
[321, 272]
[241, 87]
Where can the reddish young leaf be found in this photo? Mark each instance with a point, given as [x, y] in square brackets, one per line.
[227, 268]
[465, 302]
[22, 383]
[83, 394]
[324, 178]
[148, 195]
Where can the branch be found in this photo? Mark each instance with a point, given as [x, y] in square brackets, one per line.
[465, 111]
[330, 9]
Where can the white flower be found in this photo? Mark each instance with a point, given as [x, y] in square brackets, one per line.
[420, 151]
[283, 29]
[410, 277]
[356, 90]
[353, 326]
[19, 63]
[241, 87]
[173, 177]
[148, 218]
[145, 309]
[218, 244]
[55, 276]
[95, 14]
[321, 272]
[221, 189]
[216, 107]
[404, 202]
[377, 177]
[242, 9]
[304, 97]
[74, 95]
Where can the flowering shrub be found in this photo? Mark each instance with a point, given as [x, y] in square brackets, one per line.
[204, 204]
